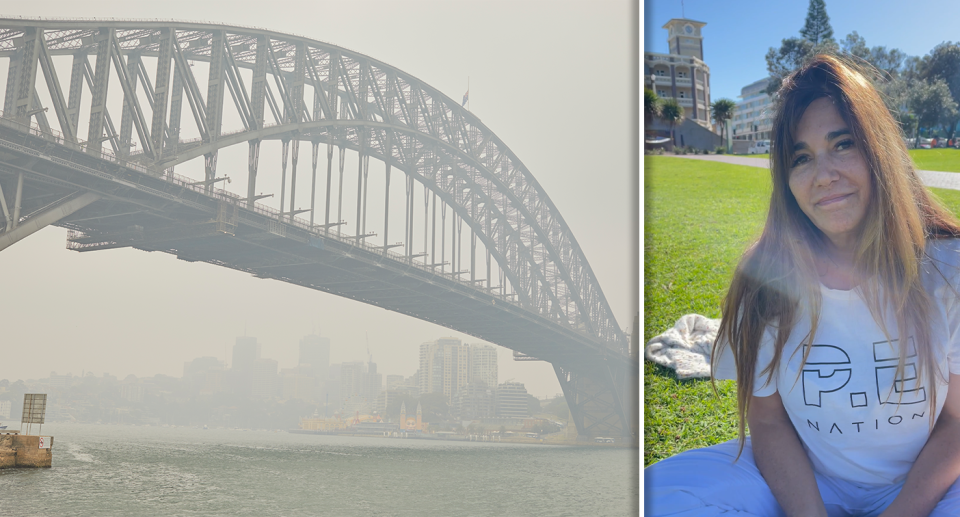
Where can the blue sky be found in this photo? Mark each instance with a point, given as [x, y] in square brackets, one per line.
[739, 33]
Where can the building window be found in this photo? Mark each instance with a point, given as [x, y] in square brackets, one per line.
[661, 93]
[660, 72]
[681, 75]
[681, 94]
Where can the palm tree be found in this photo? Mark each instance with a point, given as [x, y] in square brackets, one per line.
[652, 106]
[722, 110]
[671, 112]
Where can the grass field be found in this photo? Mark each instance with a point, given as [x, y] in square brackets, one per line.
[699, 216]
[945, 160]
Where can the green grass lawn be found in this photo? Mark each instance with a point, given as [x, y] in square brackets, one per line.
[699, 216]
[945, 160]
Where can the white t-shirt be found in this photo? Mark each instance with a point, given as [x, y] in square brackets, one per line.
[856, 419]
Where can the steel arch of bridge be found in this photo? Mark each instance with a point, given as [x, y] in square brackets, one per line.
[358, 103]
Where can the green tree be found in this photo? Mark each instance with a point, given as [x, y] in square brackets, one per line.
[651, 106]
[722, 111]
[816, 29]
[887, 62]
[433, 407]
[533, 405]
[558, 407]
[932, 103]
[943, 63]
[672, 113]
[791, 55]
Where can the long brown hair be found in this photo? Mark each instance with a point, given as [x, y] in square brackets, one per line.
[778, 272]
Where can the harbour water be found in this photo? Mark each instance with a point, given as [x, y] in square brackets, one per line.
[112, 470]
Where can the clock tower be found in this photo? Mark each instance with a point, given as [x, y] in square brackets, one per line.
[684, 37]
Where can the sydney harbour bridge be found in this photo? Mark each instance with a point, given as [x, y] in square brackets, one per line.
[465, 238]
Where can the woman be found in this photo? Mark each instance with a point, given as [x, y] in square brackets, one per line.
[842, 325]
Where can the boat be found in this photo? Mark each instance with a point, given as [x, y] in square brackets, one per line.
[2, 426]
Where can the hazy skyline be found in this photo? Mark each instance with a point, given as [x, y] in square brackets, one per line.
[552, 80]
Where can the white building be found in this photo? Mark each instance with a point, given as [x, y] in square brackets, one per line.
[682, 74]
[483, 365]
[753, 119]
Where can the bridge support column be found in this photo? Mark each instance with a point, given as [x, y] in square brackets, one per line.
[47, 217]
[597, 396]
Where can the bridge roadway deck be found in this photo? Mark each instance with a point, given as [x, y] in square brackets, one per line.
[151, 212]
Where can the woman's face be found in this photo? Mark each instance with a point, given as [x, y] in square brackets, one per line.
[828, 175]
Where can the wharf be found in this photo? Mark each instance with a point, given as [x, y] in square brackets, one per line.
[25, 451]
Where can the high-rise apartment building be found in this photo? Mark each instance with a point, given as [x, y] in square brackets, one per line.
[512, 400]
[444, 367]
[483, 365]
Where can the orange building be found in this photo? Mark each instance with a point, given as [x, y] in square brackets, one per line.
[410, 424]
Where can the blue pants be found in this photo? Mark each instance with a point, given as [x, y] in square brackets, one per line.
[706, 482]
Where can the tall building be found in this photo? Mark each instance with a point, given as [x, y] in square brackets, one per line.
[201, 365]
[512, 400]
[315, 353]
[483, 365]
[682, 74]
[372, 383]
[475, 401]
[298, 383]
[264, 379]
[393, 381]
[246, 351]
[444, 367]
[351, 385]
[753, 119]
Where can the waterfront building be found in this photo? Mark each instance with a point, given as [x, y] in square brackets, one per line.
[476, 401]
[512, 400]
[753, 118]
[411, 424]
[5, 408]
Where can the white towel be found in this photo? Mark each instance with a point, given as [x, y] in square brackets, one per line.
[685, 347]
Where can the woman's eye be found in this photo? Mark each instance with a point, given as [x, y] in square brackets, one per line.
[799, 160]
[846, 144]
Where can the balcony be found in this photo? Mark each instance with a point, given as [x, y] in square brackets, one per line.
[686, 103]
[684, 81]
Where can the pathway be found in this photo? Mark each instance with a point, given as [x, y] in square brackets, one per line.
[938, 179]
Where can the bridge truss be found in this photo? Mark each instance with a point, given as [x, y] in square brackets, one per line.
[116, 187]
